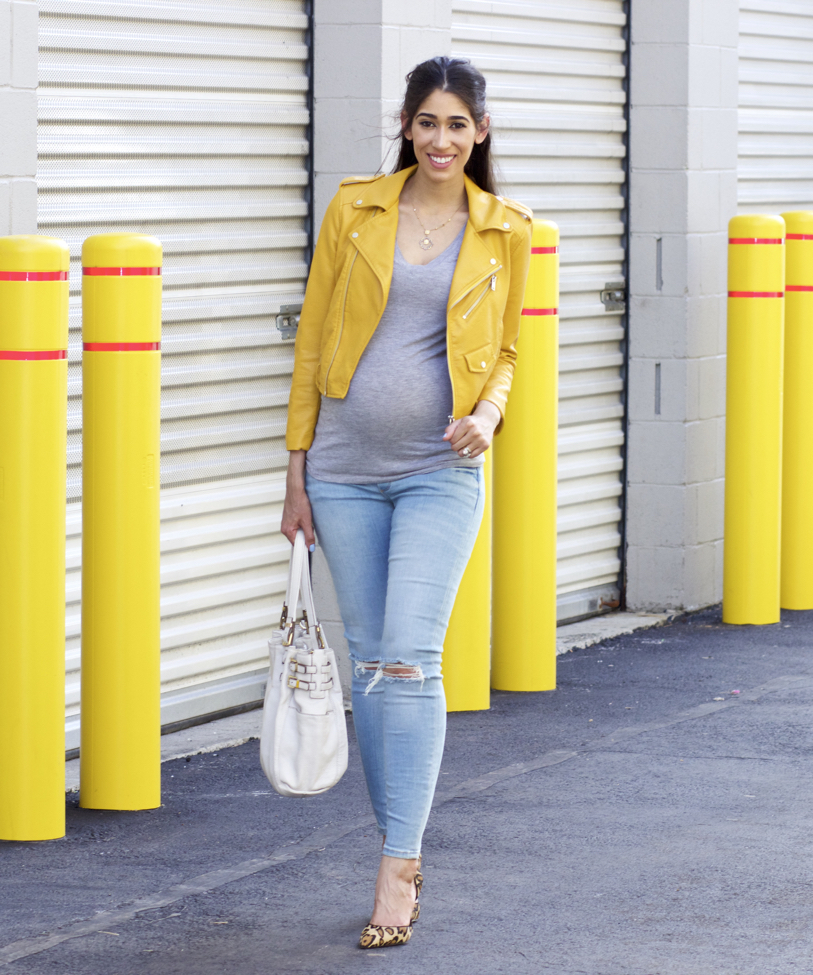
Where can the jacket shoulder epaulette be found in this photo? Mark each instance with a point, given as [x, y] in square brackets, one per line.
[519, 207]
[360, 179]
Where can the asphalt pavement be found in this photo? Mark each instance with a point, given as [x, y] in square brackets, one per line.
[652, 816]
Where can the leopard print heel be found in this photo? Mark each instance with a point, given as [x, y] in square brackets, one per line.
[385, 935]
[416, 910]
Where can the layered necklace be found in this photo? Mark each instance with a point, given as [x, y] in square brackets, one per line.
[425, 242]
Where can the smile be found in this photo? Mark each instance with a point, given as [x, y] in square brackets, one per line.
[440, 160]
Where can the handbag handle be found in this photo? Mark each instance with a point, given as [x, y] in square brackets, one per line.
[289, 606]
[299, 585]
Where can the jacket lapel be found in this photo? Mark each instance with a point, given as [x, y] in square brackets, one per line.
[376, 244]
[476, 258]
[375, 237]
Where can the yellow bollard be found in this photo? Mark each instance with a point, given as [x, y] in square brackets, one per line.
[467, 648]
[796, 589]
[33, 444]
[753, 461]
[121, 716]
[524, 625]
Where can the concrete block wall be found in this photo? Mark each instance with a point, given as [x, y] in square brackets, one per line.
[18, 116]
[683, 190]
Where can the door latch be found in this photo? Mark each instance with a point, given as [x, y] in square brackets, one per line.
[614, 296]
[288, 321]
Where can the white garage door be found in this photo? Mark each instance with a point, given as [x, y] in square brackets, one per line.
[556, 86]
[776, 106]
[189, 121]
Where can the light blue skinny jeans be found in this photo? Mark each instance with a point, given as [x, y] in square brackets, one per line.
[397, 552]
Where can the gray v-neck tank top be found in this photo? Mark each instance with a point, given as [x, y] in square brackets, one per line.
[391, 423]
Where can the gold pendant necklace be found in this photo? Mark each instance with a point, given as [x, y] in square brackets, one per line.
[425, 242]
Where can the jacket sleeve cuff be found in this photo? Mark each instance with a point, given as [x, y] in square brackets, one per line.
[298, 442]
[303, 412]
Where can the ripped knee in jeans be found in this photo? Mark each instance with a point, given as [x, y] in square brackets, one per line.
[390, 671]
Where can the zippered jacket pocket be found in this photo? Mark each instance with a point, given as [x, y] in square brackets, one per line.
[491, 286]
[485, 279]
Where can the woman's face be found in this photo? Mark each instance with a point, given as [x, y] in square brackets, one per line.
[444, 134]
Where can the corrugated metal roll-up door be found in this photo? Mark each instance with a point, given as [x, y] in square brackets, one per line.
[189, 121]
[556, 87]
[775, 106]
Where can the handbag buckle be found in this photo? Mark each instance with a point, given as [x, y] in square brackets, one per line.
[316, 688]
[298, 668]
[283, 616]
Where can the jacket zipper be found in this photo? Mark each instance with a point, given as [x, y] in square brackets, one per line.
[492, 285]
[492, 272]
[341, 324]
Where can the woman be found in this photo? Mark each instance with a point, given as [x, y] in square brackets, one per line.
[404, 357]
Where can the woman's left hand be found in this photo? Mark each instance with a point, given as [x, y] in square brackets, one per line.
[475, 431]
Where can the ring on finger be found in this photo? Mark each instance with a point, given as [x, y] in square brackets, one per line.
[465, 452]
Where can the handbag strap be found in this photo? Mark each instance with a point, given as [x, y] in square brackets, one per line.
[298, 557]
[299, 586]
[306, 591]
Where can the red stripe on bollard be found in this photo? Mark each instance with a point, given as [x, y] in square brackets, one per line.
[33, 275]
[122, 346]
[799, 287]
[544, 250]
[756, 240]
[540, 311]
[756, 294]
[798, 236]
[31, 355]
[121, 272]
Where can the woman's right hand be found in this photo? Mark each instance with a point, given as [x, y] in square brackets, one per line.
[296, 511]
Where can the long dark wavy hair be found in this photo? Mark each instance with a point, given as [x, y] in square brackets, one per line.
[459, 77]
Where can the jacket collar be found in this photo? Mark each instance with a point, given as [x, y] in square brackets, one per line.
[486, 212]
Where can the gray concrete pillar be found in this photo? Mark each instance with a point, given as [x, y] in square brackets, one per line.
[18, 116]
[683, 190]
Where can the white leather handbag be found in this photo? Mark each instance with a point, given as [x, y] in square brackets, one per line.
[303, 744]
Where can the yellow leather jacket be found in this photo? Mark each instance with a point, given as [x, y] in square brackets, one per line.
[349, 284]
